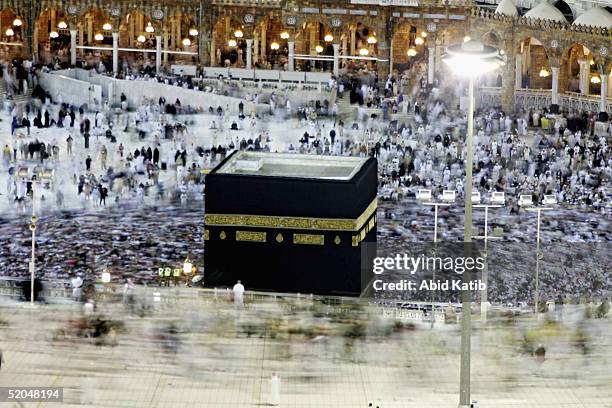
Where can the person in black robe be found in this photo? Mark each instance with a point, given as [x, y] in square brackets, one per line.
[72, 117]
[46, 123]
[88, 162]
[25, 122]
[156, 156]
[149, 154]
[86, 137]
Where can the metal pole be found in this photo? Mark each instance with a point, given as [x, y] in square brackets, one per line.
[537, 277]
[466, 322]
[33, 228]
[485, 272]
[433, 305]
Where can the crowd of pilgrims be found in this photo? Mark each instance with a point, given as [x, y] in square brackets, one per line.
[512, 153]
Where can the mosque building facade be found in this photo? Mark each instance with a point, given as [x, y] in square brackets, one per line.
[557, 53]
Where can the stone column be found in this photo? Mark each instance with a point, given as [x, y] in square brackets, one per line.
[249, 53]
[584, 76]
[81, 34]
[73, 49]
[352, 42]
[383, 54]
[508, 84]
[158, 53]
[604, 93]
[554, 102]
[203, 52]
[89, 30]
[255, 50]
[166, 40]
[290, 62]
[518, 82]
[213, 52]
[263, 48]
[336, 58]
[344, 49]
[115, 52]
[431, 65]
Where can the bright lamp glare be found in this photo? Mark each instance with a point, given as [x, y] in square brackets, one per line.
[232, 43]
[472, 59]
[364, 52]
[62, 25]
[319, 49]
[107, 27]
[186, 42]
[284, 35]
[468, 66]
[419, 41]
[9, 32]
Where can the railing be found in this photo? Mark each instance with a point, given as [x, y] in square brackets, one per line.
[415, 3]
[571, 101]
[488, 96]
[536, 98]
[541, 24]
[579, 102]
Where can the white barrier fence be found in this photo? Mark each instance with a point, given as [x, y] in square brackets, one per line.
[70, 89]
[138, 91]
[268, 75]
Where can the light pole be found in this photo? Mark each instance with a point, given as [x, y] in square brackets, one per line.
[526, 202]
[497, 200]
[448, 198]
[34, 220]
[470, 59]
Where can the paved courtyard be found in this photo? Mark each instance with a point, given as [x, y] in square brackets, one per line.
[189, 350]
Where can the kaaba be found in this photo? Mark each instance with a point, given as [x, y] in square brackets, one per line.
[291, 223]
